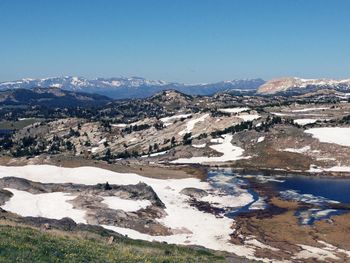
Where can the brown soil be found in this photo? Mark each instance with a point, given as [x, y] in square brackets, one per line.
[283, 231]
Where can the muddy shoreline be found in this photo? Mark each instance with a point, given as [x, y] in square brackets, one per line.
[278, 227]
[268, 226]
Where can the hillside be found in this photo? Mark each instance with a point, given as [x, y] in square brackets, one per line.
[17, 243]
[104, 168]
[51, 97]
[285, 86]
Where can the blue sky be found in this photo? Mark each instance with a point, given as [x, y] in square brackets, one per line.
[187, 41]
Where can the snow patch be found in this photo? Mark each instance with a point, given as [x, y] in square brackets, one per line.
[224, 146]
[119, 125]
[126, 205]
[315, 252]
[191, 123]
[305, 121]
[310, 109]
[154, 154]
[337, 135]
[199, 145]
[170, 120]
[249, 117]
[49, 205]
[234, 110]
[261, 139]
[102, 141]
[298, 150]
[187, 232]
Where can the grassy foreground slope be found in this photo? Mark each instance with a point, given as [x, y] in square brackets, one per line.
[23, 244]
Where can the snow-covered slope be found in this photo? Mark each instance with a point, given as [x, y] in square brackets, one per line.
[299, 85]
[133, 87]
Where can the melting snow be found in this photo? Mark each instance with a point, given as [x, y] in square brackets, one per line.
[234, 110]
[224, 146]
[279, 114]
[249, 117]
[305, 121]
[49, 205]
[261, 139]
[317, 169]
[299, 150]
[154, 154]
[260, 204]
[119, 125]
[315, 252]
[199, 145]
[309, 109]
[169, 120]
[191, 123]
[203, 229]
[337, 135]
[127, 205]
[102, 141]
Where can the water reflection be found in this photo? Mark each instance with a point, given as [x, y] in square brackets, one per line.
[326, 196]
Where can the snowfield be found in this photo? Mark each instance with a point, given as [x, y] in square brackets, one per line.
[119, 125]
[50, 205]
[249, 117]
[189, 225]
[337, 135]
[309, 252]
[310, 109]
[199, 145]
[154, 154]
[234, 110]
[191, 123]
[117, 203]
[224, 146]
[261, 139]
[203, 229]
[339, 169]
[305, 121]
[298, 150]
[170, 120]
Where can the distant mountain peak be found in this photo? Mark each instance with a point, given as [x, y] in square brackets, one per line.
[290, 84]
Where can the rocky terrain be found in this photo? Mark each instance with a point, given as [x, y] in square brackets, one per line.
[128, 166]
[299, 85]
[248, 132]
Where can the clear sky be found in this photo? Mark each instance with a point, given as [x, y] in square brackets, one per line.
[187, 41]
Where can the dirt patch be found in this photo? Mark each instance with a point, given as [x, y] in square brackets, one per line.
[283, 232]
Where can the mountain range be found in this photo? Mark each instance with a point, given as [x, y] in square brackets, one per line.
[133, 87]
[50, 97]
[137, 87]
[293, 86]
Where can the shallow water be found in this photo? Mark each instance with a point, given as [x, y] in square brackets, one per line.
[321, 192]
[337, 189]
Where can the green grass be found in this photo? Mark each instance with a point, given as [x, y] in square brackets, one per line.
[22, 244]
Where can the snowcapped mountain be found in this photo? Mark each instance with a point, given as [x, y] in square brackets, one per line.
[77, 83]
[299, 85]
[133, 87]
